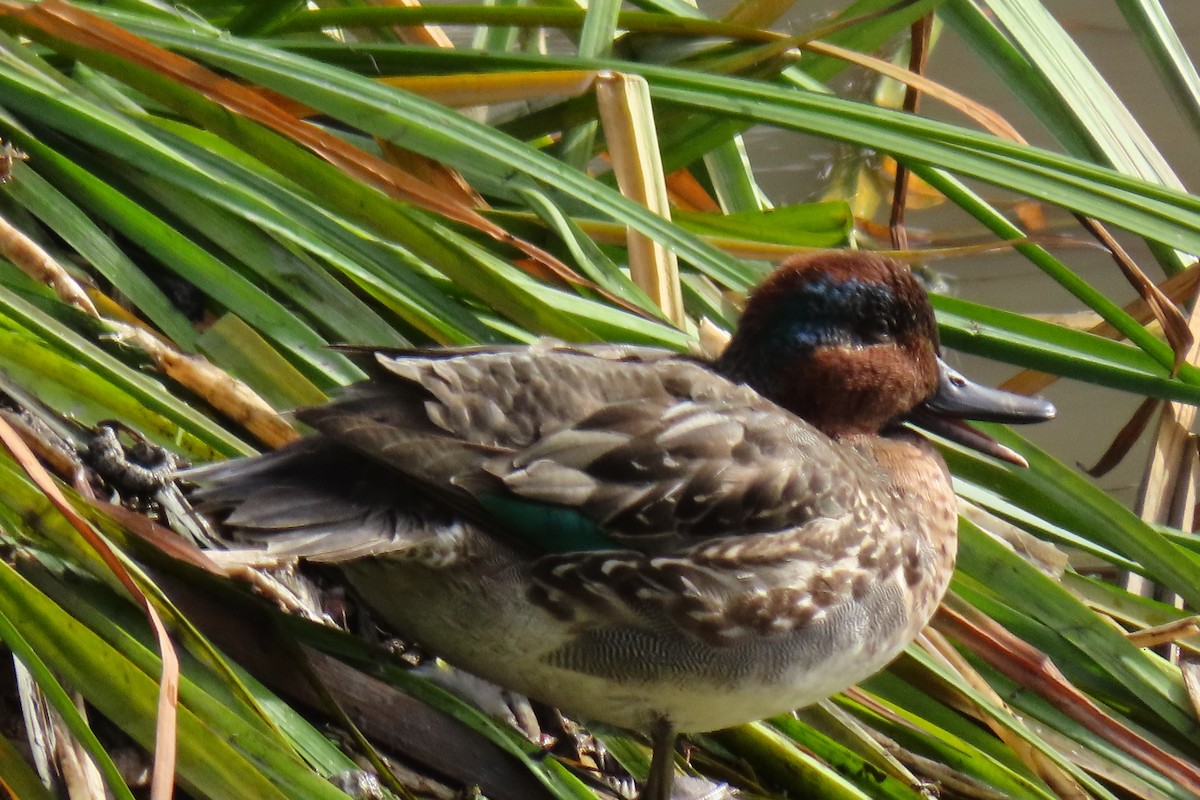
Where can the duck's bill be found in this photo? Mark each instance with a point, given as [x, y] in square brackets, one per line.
[957, 398]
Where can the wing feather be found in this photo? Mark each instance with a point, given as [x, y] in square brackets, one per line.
[655, 451]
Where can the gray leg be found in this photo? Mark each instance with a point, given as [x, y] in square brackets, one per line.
[662, 762]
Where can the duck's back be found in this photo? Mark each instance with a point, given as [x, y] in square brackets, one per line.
[644, 444]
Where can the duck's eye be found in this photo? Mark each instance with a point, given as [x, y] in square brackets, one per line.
[877, 330]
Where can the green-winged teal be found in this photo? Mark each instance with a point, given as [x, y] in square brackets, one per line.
[639, 537]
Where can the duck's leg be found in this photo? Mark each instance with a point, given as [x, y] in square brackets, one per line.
[662, 762]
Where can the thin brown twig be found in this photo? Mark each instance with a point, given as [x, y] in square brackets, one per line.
[917, 60]
[1174, 325]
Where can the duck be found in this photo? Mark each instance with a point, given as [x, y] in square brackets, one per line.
[651, 540]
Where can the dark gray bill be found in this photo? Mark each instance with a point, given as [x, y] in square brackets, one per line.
[957, 398]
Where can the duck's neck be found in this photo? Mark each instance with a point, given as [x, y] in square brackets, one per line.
[909, 458]
[921, 501]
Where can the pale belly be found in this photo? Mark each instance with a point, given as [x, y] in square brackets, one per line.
[633, 676]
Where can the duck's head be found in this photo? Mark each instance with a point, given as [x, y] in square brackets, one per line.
[848, 341]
